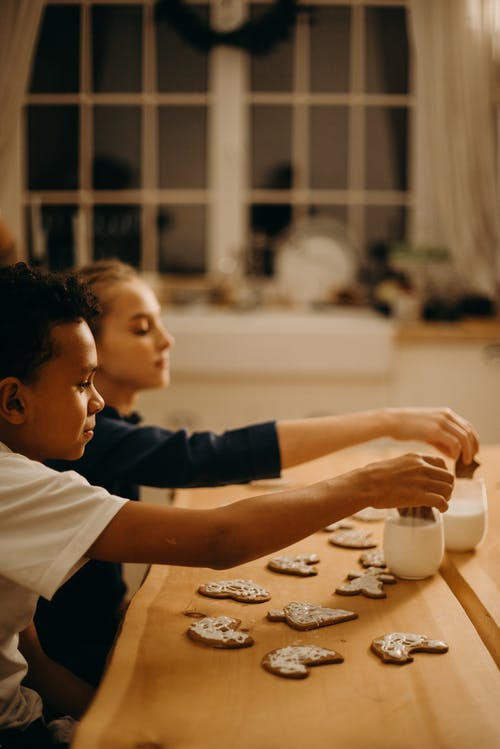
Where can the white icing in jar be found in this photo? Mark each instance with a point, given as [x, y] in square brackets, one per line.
[413, 546]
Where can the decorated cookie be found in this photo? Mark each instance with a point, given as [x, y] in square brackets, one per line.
[367, 582]
[351, 539]
[463, 471]
[245, 591]
[370, 514]
[292, 662]
[299, 565]
[373, 558]
[304, 616]
[339, 525]
[397, 647]
[219, 632]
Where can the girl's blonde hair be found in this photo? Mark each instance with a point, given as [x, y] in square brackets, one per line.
[101, 277]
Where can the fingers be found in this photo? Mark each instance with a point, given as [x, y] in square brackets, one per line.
[457, 436]
[409, 481]
[442, 428]
[437, 501]
[434, 460]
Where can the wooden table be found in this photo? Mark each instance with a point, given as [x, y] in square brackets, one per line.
[164, 691]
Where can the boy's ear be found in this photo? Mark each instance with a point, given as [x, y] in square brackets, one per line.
[12, 401]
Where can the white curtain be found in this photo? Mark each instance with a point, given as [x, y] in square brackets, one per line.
[456, 167]
[19, 23]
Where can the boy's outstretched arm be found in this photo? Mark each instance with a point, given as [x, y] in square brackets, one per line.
[305, 439]
[62, 692]
[250, 528]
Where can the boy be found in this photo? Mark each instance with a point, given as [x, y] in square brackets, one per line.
[51, 523]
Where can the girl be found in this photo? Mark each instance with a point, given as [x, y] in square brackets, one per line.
[78, 626]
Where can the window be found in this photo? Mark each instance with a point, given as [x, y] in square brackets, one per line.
[176, 160]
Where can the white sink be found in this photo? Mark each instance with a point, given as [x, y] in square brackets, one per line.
[340, 341]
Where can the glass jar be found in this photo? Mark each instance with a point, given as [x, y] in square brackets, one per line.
[465, 520]
[413, 544]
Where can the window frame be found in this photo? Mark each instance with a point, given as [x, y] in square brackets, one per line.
[228, 196]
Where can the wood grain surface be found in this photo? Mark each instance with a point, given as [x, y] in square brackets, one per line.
[164, 691]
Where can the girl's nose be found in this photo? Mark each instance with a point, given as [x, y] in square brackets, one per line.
[165, 339]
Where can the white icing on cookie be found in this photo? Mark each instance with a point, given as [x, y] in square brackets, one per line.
[219, 631]
[370, 514]
[373, 558]
[351, 539]
[367, 582]
[298, 565]
[339, 525]
[240, 590]
[301, 615]
[397, 647]
[292, 661]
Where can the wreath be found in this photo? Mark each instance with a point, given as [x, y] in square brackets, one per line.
[257, 35]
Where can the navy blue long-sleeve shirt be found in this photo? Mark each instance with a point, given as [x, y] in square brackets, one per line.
[78, 626]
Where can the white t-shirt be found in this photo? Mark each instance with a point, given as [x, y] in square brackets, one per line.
[48, 520]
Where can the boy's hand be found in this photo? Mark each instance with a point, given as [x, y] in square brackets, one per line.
[409, 480]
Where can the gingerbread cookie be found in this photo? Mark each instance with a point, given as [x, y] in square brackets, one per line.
[339, 525]
[219, 632]
[245, 591]
[370, 514]
[351, 539]
[299, 565]
[367, 582]
[305, 616]
[397, 647]
[292, 662]
[463, 471]
[373, 558]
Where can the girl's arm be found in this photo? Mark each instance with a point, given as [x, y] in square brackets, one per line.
[233, 534]
[301, 440]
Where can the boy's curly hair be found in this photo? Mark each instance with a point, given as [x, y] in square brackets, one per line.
[31, 303]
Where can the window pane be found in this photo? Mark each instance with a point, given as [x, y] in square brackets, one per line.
[52, 147]
[386, 148]
[337, 212]
[54, 244]
[271, 158]
[384, 224]
[117, 148]
[267, 222]
[330, 48]
[181, 239]
[329, 147]
[386, 51]
[183, 147]
[272, 71]
[117, 47]
[117, 233]
[56, 67]
[180, 66]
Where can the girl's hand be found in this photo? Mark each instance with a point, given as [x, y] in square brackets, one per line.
[442, 428]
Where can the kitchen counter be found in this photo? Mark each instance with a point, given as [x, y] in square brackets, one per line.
[162, 690]
[478, 330]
